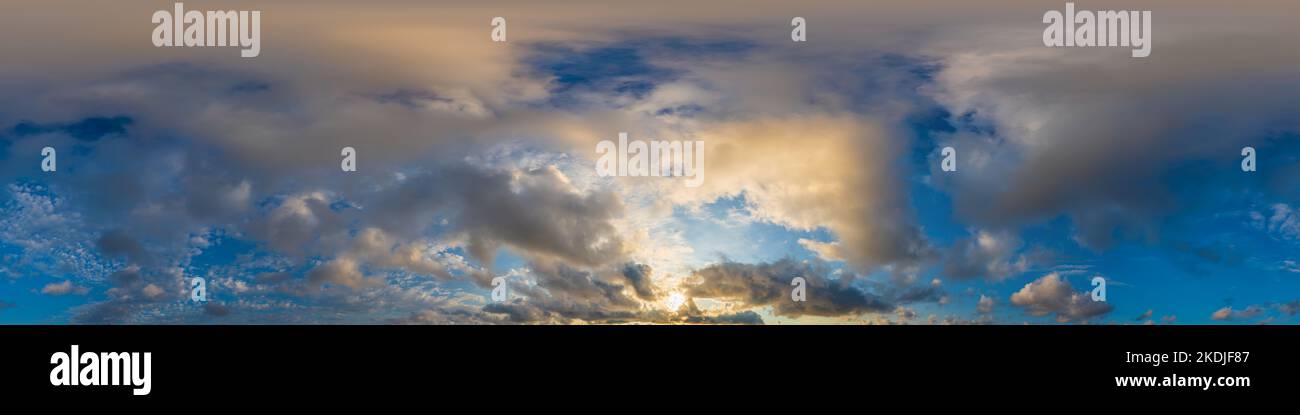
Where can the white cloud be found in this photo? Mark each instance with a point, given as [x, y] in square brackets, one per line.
[1052, 295]
[1228, 313]
[985, 305]
[64, 288]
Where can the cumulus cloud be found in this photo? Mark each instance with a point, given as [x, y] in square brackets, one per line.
[64, 288]
[829, 251]
[1053, 295]
[117, 243]
[341, 272]
[769, 284]
[134, 291]
[1229, 314]
[985, 304]
[557, 292]
[638, 276]
[989, 255]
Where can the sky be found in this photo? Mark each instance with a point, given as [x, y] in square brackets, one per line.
[476, 165]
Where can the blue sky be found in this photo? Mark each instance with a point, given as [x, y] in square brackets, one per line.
[476, 166]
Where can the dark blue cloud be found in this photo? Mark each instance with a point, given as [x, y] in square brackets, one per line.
[412, 98]
[250, 87]
[86, 129]
[622, 68]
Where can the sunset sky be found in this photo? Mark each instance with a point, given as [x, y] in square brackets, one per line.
[476, 160]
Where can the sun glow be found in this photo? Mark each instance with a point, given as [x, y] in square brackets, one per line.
[675, 301]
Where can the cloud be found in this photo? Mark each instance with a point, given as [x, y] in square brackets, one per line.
[904, 313]
[152, 291]
[744, 317]
[985, 305]
[449, 313]
[1046, 133]
[266, 181]
[541, 213]
[1282, 221]
[1228, 313]
[638, 275]
[485, 162]
[134, 290]
[340, 272]
[36, 221]
[1290, 266]
[89, 129]
[1289, 308]
[216, 310]
[1145, 315]
[693, 315]
[827, 251]
[562, 293]
[117, 243]
[838, 156]
[1053, 295]
[990, 255]
[64, 288]
[769, 284]
[298, 221]
[383, 251]
[538, 212]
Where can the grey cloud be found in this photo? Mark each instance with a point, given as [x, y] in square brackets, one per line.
[743, 317]
[117, 243]
[247, 151]
[769, 284]
[134, 289]
[215, 309]
[1108, 142]
[545, 215]
[537, 212]
[915, 293]
[341, 272]
[1145, 316]
[454, 315]
[639, 276]
[1053, 295]
[986, 254]
[518, 311]
[1289, 308]
[564, 293]
[298, 223]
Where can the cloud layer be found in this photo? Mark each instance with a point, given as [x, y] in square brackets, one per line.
[475, 163]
